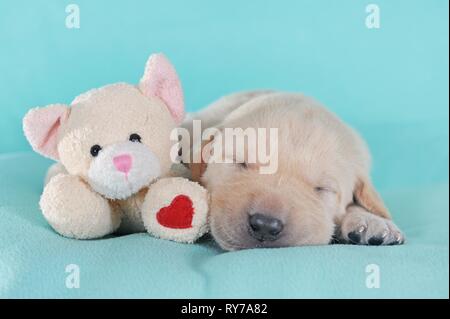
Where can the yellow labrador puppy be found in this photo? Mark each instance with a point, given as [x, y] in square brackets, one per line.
[319, 192]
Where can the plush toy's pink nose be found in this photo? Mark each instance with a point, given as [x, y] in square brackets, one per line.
[123, 163]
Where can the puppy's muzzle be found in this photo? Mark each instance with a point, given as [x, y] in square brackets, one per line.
[264, 227]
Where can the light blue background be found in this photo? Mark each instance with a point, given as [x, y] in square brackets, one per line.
[394, 75]
[389, 83]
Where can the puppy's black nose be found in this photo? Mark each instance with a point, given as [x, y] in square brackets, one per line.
[263, 227]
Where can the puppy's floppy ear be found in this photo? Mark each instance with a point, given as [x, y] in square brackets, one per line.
[41, 127]
[199, 160]
[161, 80]
[366, 196]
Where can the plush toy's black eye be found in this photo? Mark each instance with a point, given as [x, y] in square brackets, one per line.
[95, 150]
[135, 138]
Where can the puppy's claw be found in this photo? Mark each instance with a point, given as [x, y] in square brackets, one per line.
[399, 240]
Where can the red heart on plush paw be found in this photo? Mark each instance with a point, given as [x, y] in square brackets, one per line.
[178, 214]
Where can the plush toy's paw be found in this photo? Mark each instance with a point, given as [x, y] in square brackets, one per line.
[75, 211]
[176, 209]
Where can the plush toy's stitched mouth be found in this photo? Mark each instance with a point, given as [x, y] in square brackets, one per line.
[120, 189]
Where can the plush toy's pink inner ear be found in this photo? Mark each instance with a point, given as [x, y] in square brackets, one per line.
[41, 127]
[161, 80]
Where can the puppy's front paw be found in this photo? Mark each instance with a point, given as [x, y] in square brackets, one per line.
[363, 228]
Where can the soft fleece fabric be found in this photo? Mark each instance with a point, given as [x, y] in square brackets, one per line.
[33, 257]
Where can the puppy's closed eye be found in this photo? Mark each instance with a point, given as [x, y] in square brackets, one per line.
[327, 194]
[242, 165]
[327, 185]
[246, 166]
[322, 189]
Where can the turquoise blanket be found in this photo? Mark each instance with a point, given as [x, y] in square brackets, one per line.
[390, 83]
[34, 259]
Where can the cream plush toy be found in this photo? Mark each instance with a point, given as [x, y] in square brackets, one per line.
[113, 147]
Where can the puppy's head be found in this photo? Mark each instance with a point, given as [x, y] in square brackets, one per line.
[116, 137]
[250, 210]
[297, 204]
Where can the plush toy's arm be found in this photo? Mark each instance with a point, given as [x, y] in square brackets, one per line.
[74, 210]
[176, 209]
[54, 170]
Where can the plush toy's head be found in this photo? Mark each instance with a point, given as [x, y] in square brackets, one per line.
[117, 138]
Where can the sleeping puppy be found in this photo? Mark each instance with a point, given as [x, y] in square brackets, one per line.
[320, 192]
